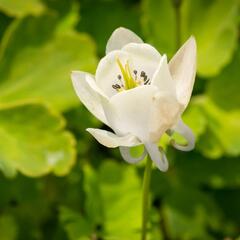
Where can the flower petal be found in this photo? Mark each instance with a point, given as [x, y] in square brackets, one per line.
[183, 70]
[108, 70]
[144, 57]
[129, 111]
[186, 132]
[112, 140]
[89, 94]
[140, 57]
[162, 77]
[120, 37]
[158, 156]
[165, 112]
[125, 152]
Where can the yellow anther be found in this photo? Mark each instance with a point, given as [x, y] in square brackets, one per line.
[127, 76]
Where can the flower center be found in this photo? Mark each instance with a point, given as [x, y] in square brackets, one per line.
[129, 79]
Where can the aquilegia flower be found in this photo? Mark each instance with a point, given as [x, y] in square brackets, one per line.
[139, 95]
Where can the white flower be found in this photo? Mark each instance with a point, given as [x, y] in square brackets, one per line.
[139, 95]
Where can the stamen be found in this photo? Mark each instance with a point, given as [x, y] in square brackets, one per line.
[147, 82]
[116, 86]
[126, 73]
[142, 74]
[129, 79]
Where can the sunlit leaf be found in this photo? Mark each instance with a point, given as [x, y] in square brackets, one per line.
[118, 192]
[36, 63]
[224, 89]
[34, 141]
[8, 228]
[121, 193]
[195, 119]
[20, 8]
[216, 35]
[75, 225]
[225, 126]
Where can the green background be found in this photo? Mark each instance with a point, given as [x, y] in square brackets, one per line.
[56, 181]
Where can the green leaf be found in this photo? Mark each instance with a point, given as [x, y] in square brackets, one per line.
[34, 141]
[20, 8]
[125, 14]
[225, 126]
[195, 119]
[76, 226]
[121, 194]
[216, 35]
[224, 88]
[188, 211]
[220, 173]
[8, 227]
[159, 25]
[220, 130]
[209, 145]
[118, 192]
[36, 63]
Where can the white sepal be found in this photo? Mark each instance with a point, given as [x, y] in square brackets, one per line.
[125, 152]
[157, 155]
[112, 140]
[182, 129]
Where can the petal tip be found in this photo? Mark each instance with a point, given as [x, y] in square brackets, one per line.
[191, 42]
[120, 37]
[76, 75]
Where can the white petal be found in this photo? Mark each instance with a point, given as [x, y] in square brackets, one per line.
[165, 112]
[187, 133]
[130, 111]
[163, 79]
[125, 152]
[158, 156]
[144, 57]
[141, 57]
[89, 95]
[183, 70]
[108, 70]
[120, 37]
[111, 140]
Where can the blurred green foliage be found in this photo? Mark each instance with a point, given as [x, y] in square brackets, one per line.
[83, 190]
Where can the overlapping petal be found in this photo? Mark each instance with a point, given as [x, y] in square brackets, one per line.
[162, 78]
[129, 111]
[120, 37]
[144, 57]
[108, 70]
[89, 94]
[165, 111]
[183, 70]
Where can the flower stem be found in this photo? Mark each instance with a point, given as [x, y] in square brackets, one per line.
[145, 197]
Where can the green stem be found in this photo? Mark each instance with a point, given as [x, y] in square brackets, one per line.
[145, 197]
